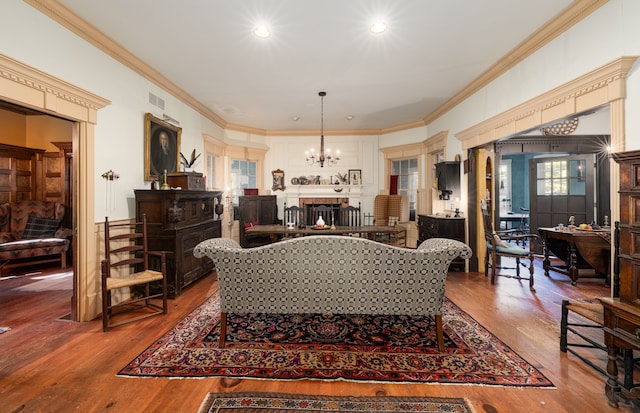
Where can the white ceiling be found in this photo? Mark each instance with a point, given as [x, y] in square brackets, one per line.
[432, 49]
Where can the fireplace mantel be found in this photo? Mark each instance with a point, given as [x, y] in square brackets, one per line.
[295, 192]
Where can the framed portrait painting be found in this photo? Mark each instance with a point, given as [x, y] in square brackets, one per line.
[161, 147]
[278, 180]
[355, 177]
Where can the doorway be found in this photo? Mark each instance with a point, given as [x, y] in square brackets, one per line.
[51, 179]
[561, 187]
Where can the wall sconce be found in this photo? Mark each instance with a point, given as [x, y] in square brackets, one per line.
[110, 175]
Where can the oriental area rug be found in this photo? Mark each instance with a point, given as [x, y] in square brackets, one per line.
[335, 347]
[280, 402]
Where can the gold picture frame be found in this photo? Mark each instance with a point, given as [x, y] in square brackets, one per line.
[278, 180]
[355, 177]
[158, 155]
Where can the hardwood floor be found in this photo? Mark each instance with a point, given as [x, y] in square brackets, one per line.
[49, 365]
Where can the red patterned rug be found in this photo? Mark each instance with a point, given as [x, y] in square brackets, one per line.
[330, 347]
[280, 402]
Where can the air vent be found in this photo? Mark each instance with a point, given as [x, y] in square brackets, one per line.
[156, 101]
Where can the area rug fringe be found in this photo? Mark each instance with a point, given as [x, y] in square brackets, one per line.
[281, 402]
[423, 383]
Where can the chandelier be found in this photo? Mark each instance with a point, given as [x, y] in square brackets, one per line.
[564, 128]
[322, 157]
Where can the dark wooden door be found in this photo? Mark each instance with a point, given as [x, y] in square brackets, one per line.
[561, 187]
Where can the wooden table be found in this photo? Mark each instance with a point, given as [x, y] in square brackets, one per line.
[579, 249]
[274, 231]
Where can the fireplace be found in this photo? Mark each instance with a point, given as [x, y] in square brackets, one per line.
[308, 205]
[306, 196]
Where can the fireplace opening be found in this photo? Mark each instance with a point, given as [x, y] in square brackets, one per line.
[310, 204]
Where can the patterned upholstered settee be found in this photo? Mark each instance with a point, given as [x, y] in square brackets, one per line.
[30, 231]
[332, 274]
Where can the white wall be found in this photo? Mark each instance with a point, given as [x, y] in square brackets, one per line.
[32, 38]
[356, 152]
[610, 32]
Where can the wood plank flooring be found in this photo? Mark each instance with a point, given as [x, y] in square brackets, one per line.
[49, 365]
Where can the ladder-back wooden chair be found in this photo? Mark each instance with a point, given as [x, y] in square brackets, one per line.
[508, 244]
[126, 265]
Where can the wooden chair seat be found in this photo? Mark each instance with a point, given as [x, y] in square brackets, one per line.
[133, 279]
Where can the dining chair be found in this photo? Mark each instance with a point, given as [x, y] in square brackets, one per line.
[293, 214]
[507, 244]
[324, 211]
[350, 216]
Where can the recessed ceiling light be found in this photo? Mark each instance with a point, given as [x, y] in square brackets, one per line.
[295, 118]
[262, 31]
[350, 117]
[378, 27]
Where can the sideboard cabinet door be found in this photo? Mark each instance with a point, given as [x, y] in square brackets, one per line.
[432, 226]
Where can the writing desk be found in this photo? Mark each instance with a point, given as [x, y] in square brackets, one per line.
[579, 249]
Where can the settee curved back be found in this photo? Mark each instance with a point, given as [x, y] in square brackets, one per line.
[332, 274]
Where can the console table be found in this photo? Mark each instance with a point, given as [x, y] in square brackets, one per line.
[177, 221]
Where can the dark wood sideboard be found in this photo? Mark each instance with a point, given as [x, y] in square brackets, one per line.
[177, 221]
[433, 226]
[256, 209]
[622, 313]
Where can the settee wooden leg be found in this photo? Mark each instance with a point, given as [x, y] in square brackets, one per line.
[223, 330]
[440, 333]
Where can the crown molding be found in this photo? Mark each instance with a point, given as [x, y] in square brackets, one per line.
[591, 90]
[575, 12]
[49, 94]
[70, 20]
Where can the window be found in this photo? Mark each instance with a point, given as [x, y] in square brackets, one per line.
[561, 177]
[505, 187]
[407, 171]
[211, 171]
[243, 175]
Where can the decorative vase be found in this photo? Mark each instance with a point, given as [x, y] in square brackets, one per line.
[320, 223]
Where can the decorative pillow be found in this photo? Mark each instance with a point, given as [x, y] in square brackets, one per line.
[7, 237]
[499, 242]
[251, 224]
[40, 228]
